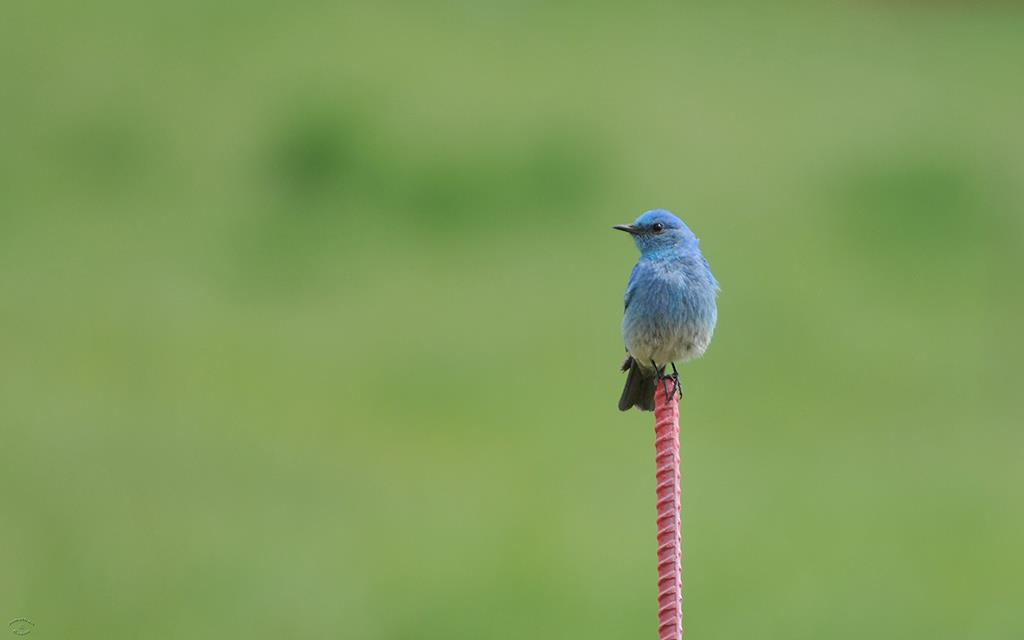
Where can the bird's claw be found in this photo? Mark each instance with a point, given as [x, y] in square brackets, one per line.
[677, 386]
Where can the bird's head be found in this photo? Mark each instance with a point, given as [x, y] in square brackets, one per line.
[659, 229]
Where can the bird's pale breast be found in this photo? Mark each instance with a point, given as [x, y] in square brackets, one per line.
[670, 315]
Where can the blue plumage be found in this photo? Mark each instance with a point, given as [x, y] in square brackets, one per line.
[670, 304]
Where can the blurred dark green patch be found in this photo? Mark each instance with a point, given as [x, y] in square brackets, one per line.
[312, 163]
[485, 187]
[912, 207]
[448, 192]
[321, 160]
[563, 168]
[314, 155]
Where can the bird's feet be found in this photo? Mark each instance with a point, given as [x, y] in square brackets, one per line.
[675, 381]
[669, 380]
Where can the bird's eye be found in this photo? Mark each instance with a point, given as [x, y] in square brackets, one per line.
[657, 227]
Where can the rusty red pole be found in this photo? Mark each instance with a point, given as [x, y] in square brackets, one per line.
[670, 546]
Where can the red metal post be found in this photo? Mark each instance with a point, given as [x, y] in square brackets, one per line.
[670, 546]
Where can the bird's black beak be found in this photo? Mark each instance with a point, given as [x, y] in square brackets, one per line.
[628, 228]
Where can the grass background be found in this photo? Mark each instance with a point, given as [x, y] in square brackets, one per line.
[309, 318]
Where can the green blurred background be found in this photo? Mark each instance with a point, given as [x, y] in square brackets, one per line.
[309, 318]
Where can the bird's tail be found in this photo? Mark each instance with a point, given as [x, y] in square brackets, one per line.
[640, 386]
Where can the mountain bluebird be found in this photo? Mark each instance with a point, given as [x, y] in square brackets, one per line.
[670, 305]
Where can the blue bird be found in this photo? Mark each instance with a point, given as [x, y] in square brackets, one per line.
[670, 305]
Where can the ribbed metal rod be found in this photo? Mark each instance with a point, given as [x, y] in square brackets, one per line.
[670, 546]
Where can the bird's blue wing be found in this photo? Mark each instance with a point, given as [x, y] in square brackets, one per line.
[631, 286]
